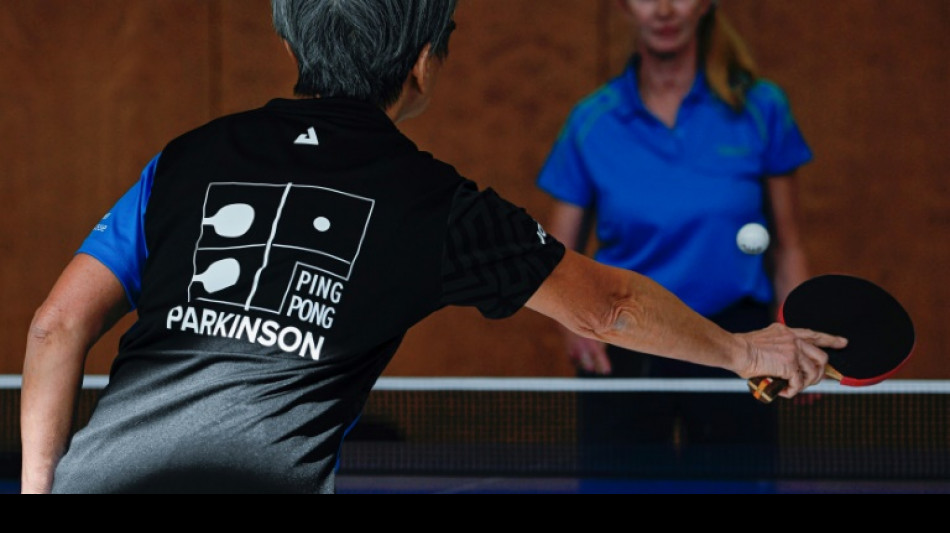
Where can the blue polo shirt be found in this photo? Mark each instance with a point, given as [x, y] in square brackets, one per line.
[669, 201]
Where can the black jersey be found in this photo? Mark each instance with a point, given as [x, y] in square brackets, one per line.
[277, 258]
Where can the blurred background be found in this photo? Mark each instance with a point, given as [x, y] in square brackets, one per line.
[92, 89]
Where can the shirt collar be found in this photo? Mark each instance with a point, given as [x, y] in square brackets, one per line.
[632, 103]
[339, 108]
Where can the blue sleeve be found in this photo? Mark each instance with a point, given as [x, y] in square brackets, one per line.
[564, 175]
[118, 241]
[786, 148]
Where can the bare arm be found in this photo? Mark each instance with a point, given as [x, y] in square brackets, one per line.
[631, 311]
[789, 261]
[86, 301]
[571, 225]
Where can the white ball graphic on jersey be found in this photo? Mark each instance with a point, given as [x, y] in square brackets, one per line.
[321, 224]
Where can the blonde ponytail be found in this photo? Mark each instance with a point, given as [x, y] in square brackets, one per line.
[730, 68]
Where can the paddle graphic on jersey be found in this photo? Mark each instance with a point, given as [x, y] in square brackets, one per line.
[220, 275]
[232, 221]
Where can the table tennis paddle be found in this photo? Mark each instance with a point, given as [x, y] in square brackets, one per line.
[879, 330]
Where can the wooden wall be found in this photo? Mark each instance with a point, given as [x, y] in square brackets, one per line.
[91, 89]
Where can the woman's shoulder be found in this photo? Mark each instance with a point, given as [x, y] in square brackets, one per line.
[766, 93]
[605, 100]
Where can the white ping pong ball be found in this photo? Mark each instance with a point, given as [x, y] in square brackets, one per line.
[753, 238]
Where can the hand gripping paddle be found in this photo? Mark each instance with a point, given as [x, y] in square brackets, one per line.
[879, 330]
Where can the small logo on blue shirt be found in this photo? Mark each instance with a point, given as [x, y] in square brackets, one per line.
[101, 228]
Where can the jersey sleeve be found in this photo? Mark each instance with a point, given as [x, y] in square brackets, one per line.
[496, 255]
[786, 149]
[118, 241]
[564, 175]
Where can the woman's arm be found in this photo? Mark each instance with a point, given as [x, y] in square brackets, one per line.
[86, 301]
[571, 225]
[631, 311]
[789, 261]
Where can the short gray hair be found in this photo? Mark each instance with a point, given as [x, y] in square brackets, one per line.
[361, 49]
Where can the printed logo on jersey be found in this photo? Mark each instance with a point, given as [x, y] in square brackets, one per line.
[286, 250]
[102, 226]
[309, 138]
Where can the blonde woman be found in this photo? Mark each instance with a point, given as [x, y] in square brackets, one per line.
[668, 161]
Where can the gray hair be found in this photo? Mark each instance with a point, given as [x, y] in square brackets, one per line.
[361, 49]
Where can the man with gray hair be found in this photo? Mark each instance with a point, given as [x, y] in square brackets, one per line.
[277, 257]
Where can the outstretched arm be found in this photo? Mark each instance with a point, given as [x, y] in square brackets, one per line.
[86, 301]
[631, 311]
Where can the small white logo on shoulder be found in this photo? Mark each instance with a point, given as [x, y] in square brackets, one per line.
[542, 235]
[309, 138]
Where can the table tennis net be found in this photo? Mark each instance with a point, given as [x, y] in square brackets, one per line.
[629, 428]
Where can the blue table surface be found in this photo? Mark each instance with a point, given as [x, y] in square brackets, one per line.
[478, 485]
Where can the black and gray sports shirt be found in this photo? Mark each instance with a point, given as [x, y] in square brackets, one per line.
[276, 258]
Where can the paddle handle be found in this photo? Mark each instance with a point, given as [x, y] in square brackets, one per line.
[765, 389]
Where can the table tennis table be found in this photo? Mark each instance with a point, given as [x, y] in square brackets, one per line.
[435, 435]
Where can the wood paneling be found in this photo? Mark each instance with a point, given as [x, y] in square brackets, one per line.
[870, 84]
[91, 89]
[513, 73]
[251, 64]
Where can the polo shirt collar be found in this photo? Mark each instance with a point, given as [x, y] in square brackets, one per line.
[632, 103]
